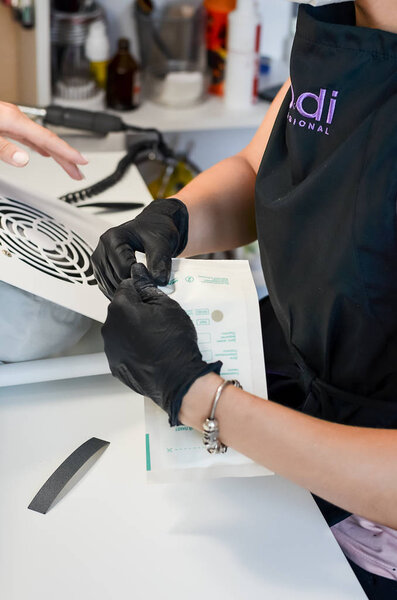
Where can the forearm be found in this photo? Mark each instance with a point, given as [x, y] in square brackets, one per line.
[221, 208]
[220, 200]
[352, 467]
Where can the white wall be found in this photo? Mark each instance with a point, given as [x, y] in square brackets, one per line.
[276, 15]
[120, 22]
[209, 147]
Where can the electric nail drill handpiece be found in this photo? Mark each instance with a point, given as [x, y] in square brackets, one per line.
[75, 118]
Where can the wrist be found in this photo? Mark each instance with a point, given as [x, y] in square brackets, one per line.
[198, 400]
[177, 211]
[180, 218]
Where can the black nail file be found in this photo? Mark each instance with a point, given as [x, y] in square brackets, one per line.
[64, 473]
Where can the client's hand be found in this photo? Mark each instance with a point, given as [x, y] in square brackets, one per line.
[14, 124]
[151, 343]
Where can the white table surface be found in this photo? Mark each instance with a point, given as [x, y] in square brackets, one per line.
[113, 536]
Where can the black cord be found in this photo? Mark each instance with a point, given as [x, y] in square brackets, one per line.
[158, 145]
[122, 166]
[156, 132]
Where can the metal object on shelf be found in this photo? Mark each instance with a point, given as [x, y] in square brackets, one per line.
[34, 112]
[70, 69]
[75, 88]
[71, 28]
[172, 50]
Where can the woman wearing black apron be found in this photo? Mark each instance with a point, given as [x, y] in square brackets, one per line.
[325, 212]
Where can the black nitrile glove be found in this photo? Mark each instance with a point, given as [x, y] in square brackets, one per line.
[151, 343]
[160, 231]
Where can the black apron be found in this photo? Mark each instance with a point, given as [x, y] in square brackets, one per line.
[326, 219]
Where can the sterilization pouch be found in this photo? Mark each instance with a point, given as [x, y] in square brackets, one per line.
[221, 299]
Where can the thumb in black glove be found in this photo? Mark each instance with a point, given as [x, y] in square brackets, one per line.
[160, 231]
[151, 343]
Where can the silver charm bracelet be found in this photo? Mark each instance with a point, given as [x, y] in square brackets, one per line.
[210, 425]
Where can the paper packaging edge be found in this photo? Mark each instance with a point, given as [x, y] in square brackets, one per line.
[199, 473]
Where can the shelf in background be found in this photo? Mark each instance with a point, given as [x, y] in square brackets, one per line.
[209, 115]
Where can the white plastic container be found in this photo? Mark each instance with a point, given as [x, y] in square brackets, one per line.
[241, 79]
[97, 49]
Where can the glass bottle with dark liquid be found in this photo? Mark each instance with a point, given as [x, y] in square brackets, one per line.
[123, 79]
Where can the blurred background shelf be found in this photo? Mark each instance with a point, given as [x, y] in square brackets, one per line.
[208, 130]
[206, 116]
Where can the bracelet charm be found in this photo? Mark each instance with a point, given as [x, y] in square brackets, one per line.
[210, 437]
[210, 425]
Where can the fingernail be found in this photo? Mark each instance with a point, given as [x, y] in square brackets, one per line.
[83, 160]
[20, 158]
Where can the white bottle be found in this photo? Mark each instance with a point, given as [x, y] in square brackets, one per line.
[241, 78]
[97, 50]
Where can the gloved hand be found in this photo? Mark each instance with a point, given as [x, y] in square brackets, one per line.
[160, 231]
[151, 343]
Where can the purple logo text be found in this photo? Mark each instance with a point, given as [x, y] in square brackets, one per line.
[320, 107]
